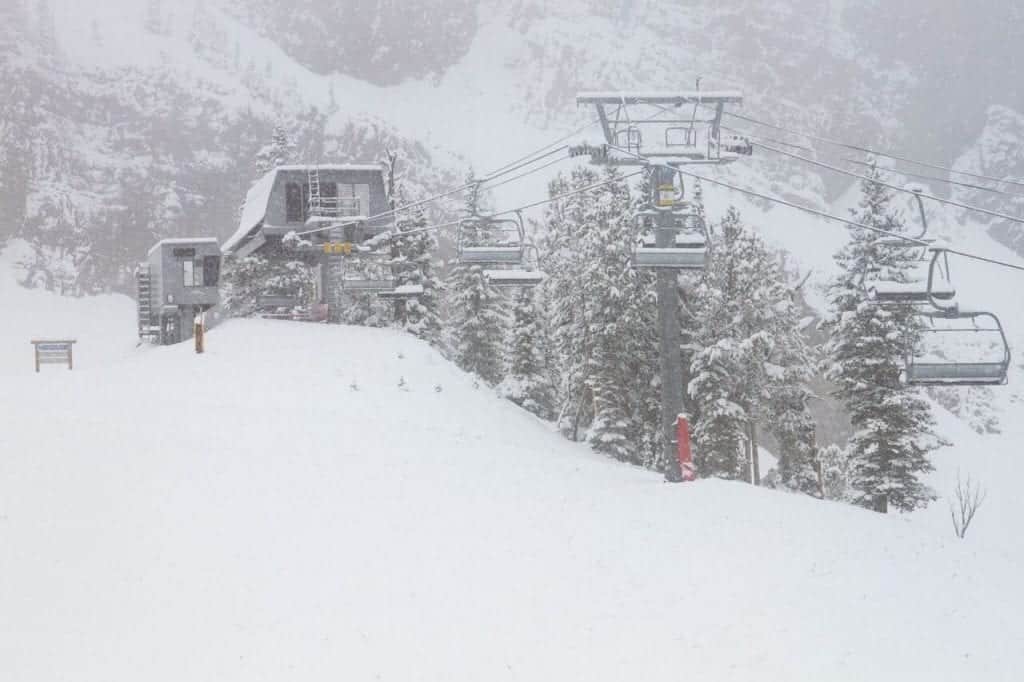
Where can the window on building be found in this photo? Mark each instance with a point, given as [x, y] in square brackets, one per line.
[293, 203]
[211, 270]
[362, 193]
[194, 272]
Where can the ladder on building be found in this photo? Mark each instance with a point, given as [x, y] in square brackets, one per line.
[315, 199]
[148, 328]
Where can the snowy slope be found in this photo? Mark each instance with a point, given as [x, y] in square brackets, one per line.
[280, 508]
[103, 325]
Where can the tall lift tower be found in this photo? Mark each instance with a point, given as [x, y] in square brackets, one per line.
[663, 131]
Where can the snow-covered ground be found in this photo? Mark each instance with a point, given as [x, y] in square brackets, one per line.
[104, 326]
[307, 502]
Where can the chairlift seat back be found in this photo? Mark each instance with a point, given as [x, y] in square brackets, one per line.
[514, 278]
[955, 374]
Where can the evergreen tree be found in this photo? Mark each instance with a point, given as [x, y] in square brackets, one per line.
[526, 381]
[279, 152]
[246, 279]
[571, 341]
[752, 362]
[477, 317]
[602, 317]
[414, 265]
[892, 424]
[618, 296]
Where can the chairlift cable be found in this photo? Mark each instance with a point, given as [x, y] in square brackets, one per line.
[935, 178]
[852, 223]
[869, 150]
[551, 144]
[571, 193]
[823, 214]
[504, 170]
[529, 172]
[837, 169]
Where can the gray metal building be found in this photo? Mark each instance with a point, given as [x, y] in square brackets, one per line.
[321, 203]
[178, 281]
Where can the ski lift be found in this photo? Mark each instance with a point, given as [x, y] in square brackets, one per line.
[737, 144]
[680, 137]
[936, 285]
[377, 279]
[930, 366]
[484, 240]
[683, 246]
[629, 139]
[515, 277]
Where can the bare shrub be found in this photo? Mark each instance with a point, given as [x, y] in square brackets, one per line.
[969, 497]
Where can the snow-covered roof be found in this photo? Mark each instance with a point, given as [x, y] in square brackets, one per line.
[183, 240]
[258, 197]
[332, 167]
[256, 200]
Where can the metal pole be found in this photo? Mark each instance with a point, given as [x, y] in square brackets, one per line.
[668, 318]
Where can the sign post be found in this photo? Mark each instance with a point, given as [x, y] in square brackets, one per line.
[54, 352]
[199, 331]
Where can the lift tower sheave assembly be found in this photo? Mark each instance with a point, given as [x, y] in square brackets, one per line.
[662, 131]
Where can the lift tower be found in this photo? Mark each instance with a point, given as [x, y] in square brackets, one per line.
[663, 131]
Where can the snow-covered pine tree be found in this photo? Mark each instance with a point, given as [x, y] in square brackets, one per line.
[527, 382]
[619, 303]
[244, 280]
[477, 316]
[892, 424]
[565, 225]
[415, 265]
[279, 152]
[753, 360]
[601, 315]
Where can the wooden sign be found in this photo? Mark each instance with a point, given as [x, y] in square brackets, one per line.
[54, 352]
[338, 248]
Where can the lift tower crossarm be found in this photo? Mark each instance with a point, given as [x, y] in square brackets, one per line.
[674, 98]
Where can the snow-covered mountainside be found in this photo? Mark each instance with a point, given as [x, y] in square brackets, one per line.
[136, 119]
[266, 512]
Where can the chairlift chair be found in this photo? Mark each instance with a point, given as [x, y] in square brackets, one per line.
[516, 277]
[936, 286]
[483, 240]
[381, 282]
[920, 370]
[687, 238]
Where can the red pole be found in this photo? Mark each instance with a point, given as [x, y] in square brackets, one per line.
[685, 454]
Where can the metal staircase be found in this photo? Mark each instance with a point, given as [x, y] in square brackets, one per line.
[148, 327]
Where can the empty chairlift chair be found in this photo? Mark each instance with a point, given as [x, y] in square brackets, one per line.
[968, 360]
[683, 246]
[930, 280]
[931, 284]
[484, 240]
[372, 276]
[526, 276]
